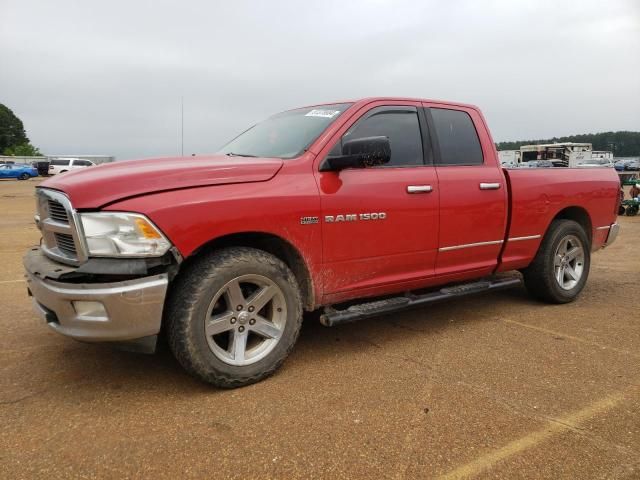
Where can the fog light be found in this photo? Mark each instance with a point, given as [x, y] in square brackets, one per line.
[87, 310]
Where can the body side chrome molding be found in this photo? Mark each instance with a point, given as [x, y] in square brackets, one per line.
[519, 239]
[469, 245]
[606, 227]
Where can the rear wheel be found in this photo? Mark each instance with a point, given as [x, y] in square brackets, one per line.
[560, 269]
[233, 316]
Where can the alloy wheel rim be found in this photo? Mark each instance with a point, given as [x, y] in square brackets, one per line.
[568, 262]
[245, 320]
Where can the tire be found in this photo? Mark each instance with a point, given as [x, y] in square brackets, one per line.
[206, 295]
[632, 210]
[556, 275]
[24, 176]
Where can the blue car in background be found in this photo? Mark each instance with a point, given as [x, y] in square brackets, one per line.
[17, 170]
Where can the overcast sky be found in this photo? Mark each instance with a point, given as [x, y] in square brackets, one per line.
[106, 77]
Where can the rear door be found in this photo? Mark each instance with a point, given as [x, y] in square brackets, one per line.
[380, 224]
[58, 166]
[473, 194]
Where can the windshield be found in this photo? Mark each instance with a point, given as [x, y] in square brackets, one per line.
[285, 135]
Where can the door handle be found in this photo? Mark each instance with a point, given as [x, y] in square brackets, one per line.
[489, 186]
[419, 189]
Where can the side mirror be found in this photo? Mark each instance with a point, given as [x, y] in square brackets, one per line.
[360, 153]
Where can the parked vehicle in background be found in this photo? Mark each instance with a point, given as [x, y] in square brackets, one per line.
[399, 200]
[627, 164]
[509, 158]
[635, 165]
[42, 166]
[603, 154]
[61, 165]
[17, 170]
[568, 154]
[619, 164]
[596, 162]
[537, 164]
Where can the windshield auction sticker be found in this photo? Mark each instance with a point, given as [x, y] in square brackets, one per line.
[323, 113]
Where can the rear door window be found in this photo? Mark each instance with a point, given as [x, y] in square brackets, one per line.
[457, 137]
[60, 163]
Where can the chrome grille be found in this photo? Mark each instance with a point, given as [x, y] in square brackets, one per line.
[56, 220]
[65, 243]
[57, 212]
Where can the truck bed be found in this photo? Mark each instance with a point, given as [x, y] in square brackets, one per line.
[537, 195]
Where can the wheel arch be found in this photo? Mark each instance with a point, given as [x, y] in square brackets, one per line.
[577, 214]
[540, 276]
[273, 244]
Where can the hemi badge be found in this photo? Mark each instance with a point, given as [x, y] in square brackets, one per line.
[308, 220]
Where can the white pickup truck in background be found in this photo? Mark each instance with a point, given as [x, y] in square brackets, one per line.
[61, 165]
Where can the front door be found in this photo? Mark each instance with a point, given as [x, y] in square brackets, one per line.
[473, 194]
[380, 224]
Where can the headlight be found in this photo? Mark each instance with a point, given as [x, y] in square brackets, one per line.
[117, 234]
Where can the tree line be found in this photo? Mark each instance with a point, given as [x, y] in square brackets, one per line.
[13, 137]
[622, 144]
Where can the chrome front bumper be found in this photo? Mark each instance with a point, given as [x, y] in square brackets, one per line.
[96, 312]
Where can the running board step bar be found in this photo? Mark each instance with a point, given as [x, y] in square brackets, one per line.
[332, 316]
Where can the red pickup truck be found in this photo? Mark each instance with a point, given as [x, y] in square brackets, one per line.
[356, 208]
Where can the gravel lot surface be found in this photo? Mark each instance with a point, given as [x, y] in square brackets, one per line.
[494, 386]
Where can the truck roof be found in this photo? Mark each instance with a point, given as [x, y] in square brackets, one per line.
[366, 100]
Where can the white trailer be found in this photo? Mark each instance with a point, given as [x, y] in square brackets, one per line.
[567, 154]
[603, 154]
[509, 158]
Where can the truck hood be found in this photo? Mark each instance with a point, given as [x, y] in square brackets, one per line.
[94, 187]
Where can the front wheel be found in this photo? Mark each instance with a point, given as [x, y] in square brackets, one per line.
[233, 316]
[24, 176]
[560, 269]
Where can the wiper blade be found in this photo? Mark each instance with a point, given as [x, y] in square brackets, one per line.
[232, 154]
